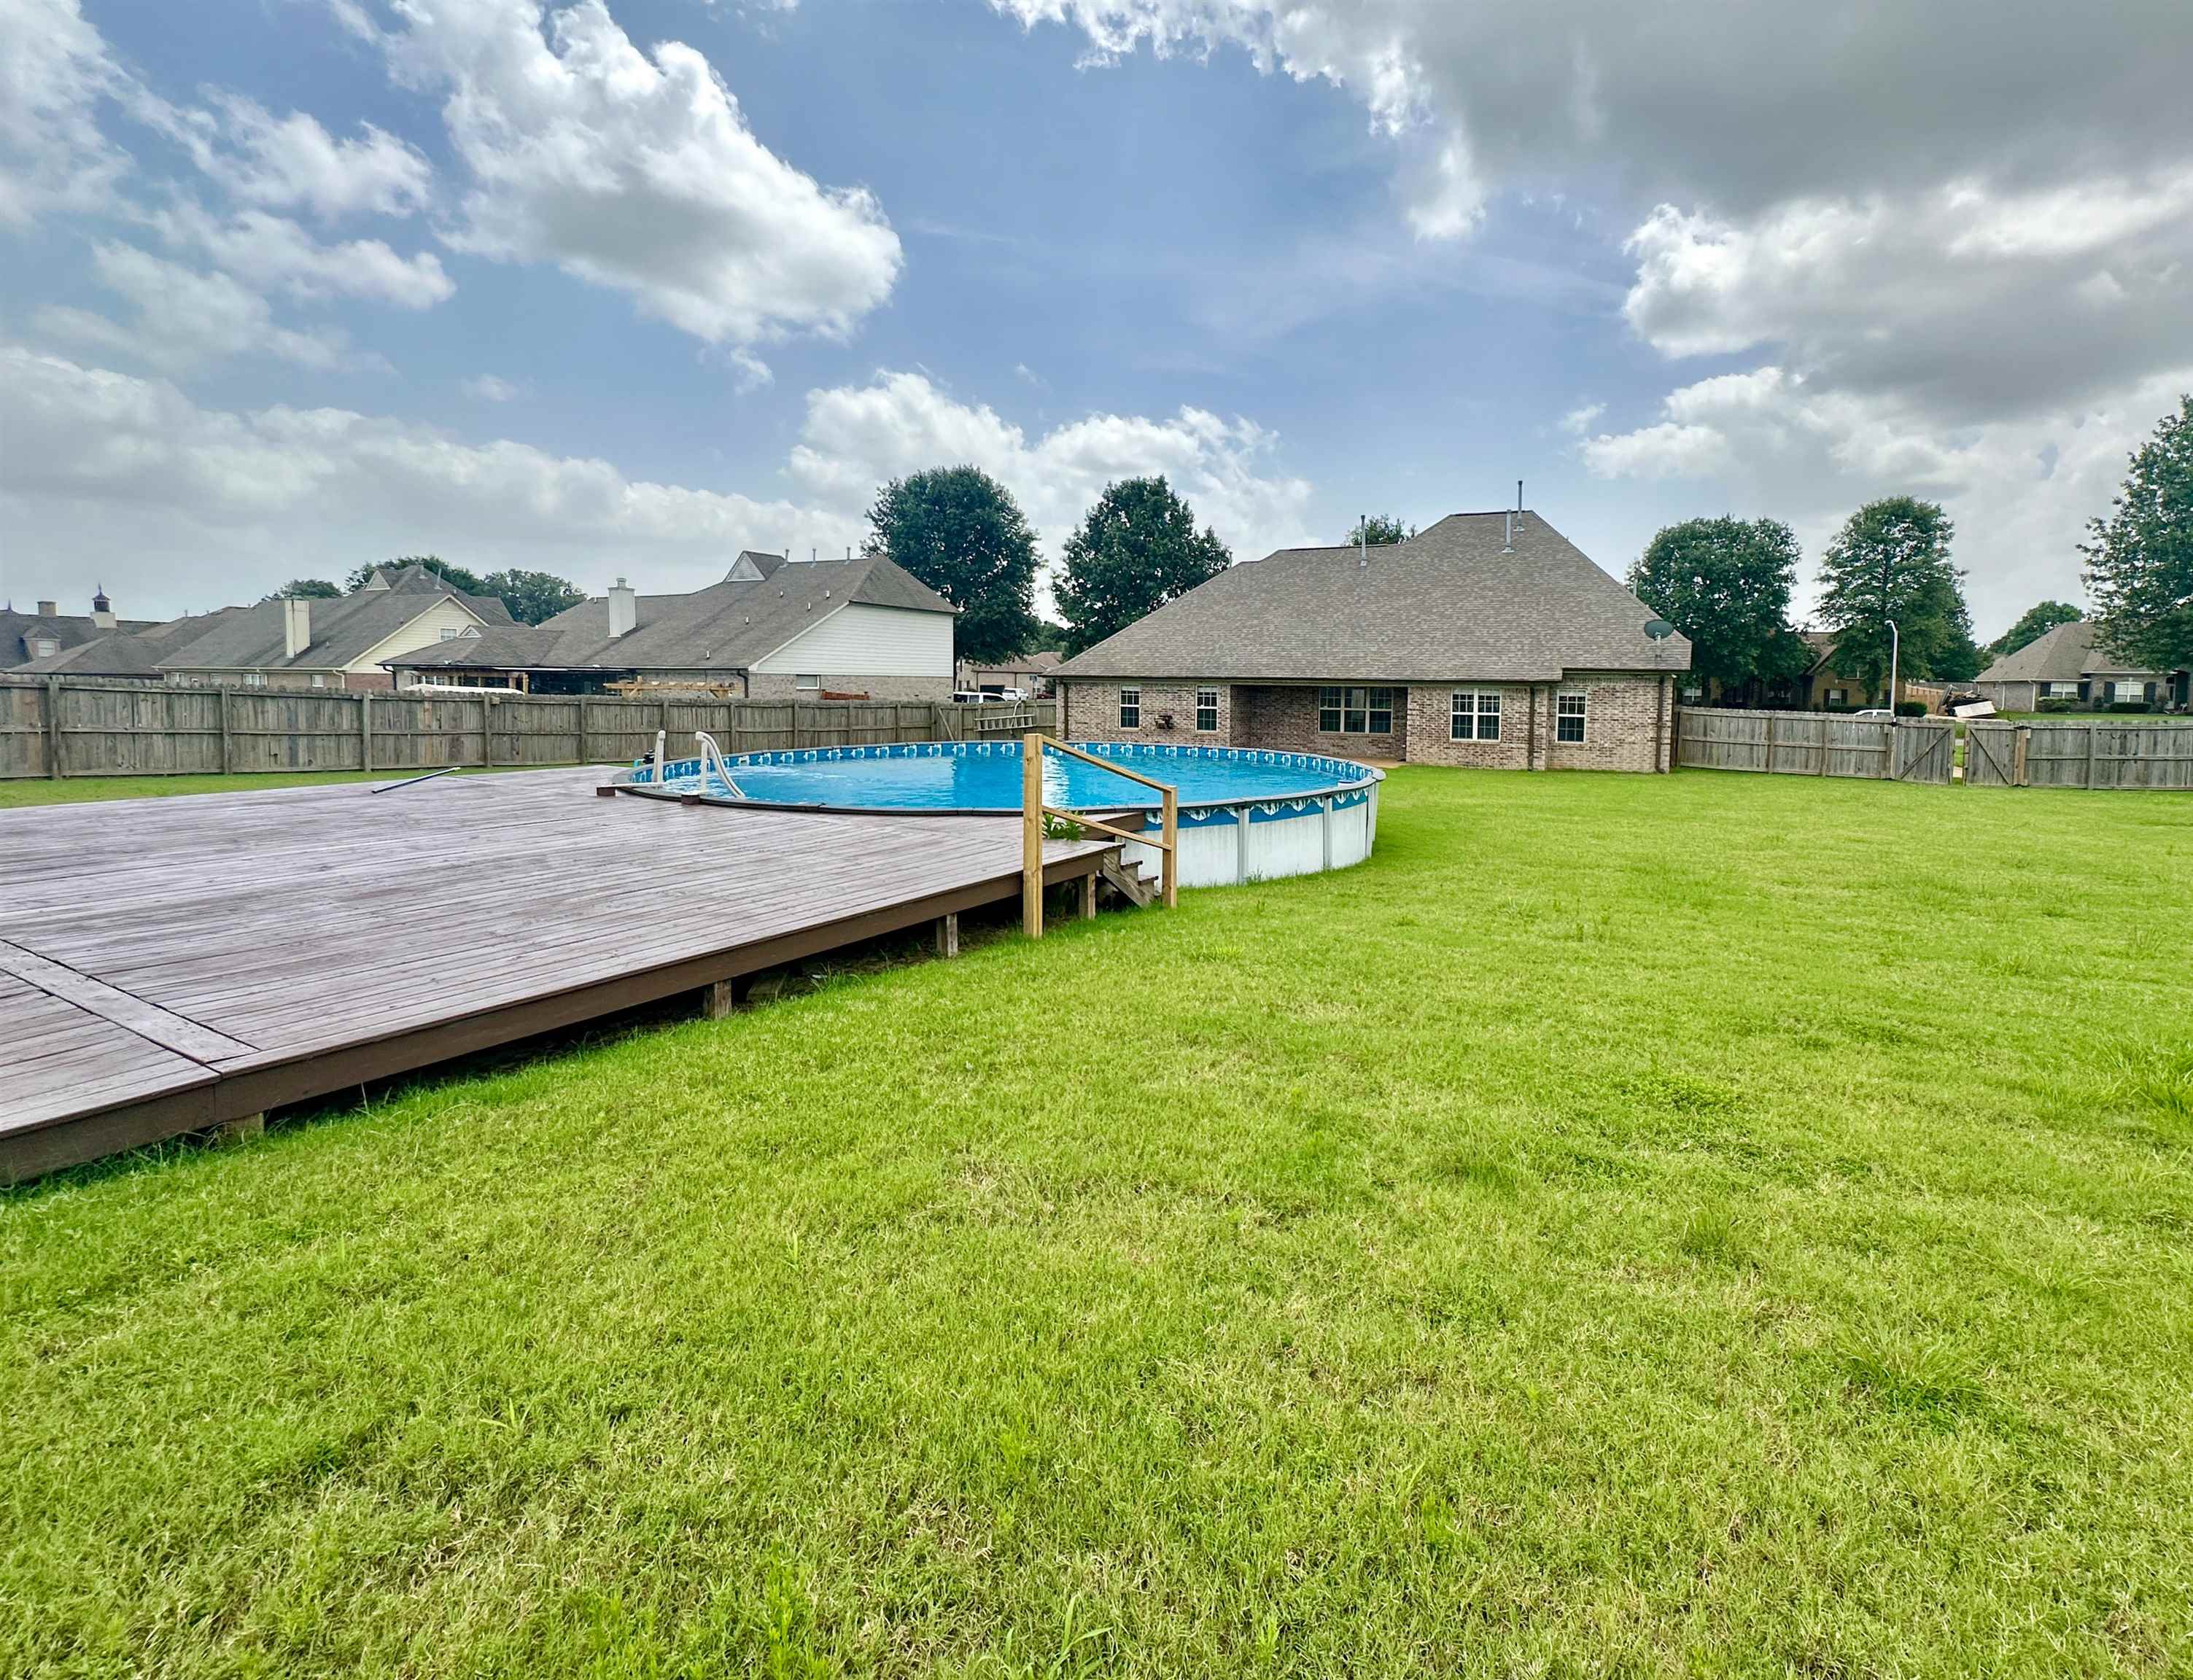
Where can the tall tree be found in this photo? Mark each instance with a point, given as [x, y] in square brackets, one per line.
[1134, 551]
[457, 578]
[1376, 529]
[1891, 561]
[1725, 583]
[961, 532]
[533, 597]
[2139, 564]
[307, 589]
[2034, 623]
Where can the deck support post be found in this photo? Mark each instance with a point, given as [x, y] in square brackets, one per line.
[1032, 835]
[1088, 896]
[948, 934]
[242, 1129]
[724, 998]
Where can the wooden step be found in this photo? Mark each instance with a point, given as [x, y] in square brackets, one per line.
[1129, 882]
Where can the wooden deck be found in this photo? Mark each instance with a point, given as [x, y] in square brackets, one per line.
[170, 965]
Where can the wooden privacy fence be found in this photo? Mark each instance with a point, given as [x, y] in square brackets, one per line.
[80, 727]
[1816, 744]
[2109, 755]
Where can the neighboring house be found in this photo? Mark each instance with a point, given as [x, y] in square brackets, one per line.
[1031, 673]
[1827, 689]
[342, 643]
[48, 633]
[2072, 662]
[1487, 639]
[769, 630]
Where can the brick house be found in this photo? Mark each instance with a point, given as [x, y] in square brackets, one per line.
[2071, 664]
[1488, 639]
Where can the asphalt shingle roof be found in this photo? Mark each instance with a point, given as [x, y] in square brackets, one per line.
[1451, 602]
[2064, 655]
[728, 625]
[116, 654]
[250, 638]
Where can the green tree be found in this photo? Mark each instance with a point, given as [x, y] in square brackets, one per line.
[2139, 564]
[1137, 549]
[2035, 622]
[960, 532]
[1725, 583]
[457, 578]
[533, 597]
[1891, 561]
[1376, 529]
[307, 589]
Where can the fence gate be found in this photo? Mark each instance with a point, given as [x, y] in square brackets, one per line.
[1925, 751]
[1990, 755]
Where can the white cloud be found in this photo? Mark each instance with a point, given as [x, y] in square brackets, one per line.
[54, 73]
[635, 170]
[489, 389]
[293, 163]
[181, 319]
[2019, 490]
[857, 435]
[129, 477]
[1580, 420]
[270, 253]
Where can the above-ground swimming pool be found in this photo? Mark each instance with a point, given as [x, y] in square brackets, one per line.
[1244, 814]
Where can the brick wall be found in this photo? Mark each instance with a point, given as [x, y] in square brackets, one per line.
[1431, 730]
[1091, 712]
[764, 685]
[1626, 722]
[1286, 720]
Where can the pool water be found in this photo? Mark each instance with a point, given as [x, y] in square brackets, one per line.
[987, 777]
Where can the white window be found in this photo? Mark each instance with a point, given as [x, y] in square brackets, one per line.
[1355, 712]
[1568, 719]
[810, 682]
[319, 681]
[1207, 710]
[1838, 696]
[1130, 708]
[254, 679]
[448, 632]
[1475, 717]
[44, 648]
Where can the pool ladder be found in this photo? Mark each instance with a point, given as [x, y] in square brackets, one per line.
[712, 758]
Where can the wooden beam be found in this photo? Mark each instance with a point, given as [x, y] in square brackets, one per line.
[1031, 836]
[53, 728]
[947, 929]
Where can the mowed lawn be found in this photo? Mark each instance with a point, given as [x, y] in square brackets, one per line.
[1684, 1224]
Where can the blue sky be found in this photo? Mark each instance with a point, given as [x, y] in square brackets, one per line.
[622, 288]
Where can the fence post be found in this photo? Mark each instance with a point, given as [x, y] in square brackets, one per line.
[2021, 750]
[487, 730]
[586, 757]
[54, 769]
[2090, 756]
[365, 730]
[1031, 836]
[227, 757]
[1770, 743]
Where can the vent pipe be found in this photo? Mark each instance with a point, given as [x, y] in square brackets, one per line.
[1363, 539]
[1507, 534]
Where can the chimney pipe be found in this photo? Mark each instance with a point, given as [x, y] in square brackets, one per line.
[624, 608]
[1508, 538]
[296, 627]
[1362, 539]
[49, 609]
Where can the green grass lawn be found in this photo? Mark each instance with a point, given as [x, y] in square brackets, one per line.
[1637, 1225]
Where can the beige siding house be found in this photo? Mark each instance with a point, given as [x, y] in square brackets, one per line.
[768, 630]
[2071, 663]
[1488, 639]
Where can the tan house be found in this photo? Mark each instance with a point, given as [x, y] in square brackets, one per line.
[1487, 639]
[1031, 673]
[336, 643]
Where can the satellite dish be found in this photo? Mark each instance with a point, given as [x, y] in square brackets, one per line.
[1658, 629]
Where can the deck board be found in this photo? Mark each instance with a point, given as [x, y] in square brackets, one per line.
[152, 947]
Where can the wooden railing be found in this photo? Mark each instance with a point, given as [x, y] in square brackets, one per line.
[1034, 814]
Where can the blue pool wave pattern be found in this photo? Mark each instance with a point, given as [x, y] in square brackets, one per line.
[986, 776]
